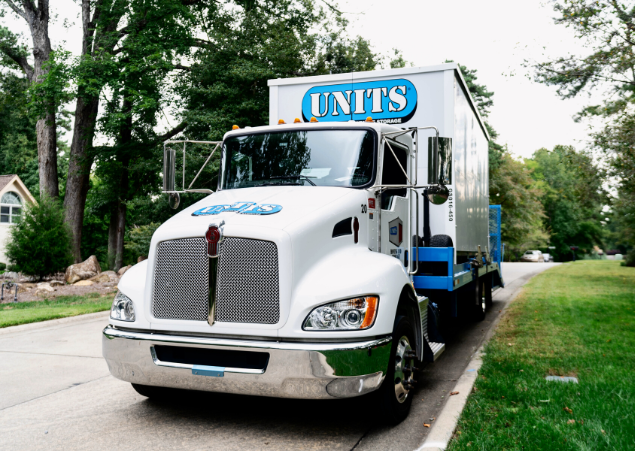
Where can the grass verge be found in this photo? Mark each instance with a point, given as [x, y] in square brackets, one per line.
[574, 320]
[13, 314]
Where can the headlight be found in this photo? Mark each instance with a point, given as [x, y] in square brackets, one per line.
[122, 308]
[352, 314]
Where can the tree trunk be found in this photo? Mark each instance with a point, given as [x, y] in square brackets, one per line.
[79, 169]
[38, 20]
[121, 229]
[47, 156]
[112, 237]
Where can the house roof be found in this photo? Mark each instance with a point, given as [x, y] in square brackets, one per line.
[6, 179]
[12, 182]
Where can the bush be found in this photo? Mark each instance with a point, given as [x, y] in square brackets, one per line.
[40, 242]
[138, 242]
[629, 258]
[3, 266]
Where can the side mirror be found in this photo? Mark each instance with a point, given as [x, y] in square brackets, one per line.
[174, 200]
[438, 194]
[169, 169]
[439, 161]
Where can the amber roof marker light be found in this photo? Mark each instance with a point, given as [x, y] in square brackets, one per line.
[235, 127]
[297, 120]
[281, 122]
[369, 119]
[313, 119]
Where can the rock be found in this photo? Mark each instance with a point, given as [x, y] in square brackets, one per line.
[82, 271]
[56, 283]
[142, 258]
[10, 275]
[122, 271]
[84, 283]
[99, 278]
[22, 287]
[110, 284]
[113, 275]
[45, 286]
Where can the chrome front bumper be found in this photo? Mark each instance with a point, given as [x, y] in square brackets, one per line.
[294, 370]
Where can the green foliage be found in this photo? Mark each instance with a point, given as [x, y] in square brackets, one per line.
[40, 241]
[512, 187]
[572, 196]
[138, 242]
[3, 266]
[629, 259]
[607, 29]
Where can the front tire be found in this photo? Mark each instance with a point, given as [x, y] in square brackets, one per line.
[395, 393]
[150, 391]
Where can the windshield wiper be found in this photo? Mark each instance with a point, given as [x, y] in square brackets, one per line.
[297, 176]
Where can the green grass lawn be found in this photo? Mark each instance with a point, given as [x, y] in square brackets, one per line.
[574, 320]
[29, 312]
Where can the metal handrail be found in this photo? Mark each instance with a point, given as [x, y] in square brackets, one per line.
[413, 191]
[185, 141]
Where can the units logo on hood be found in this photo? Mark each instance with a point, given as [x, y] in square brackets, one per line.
[244, 208]
[387, 101]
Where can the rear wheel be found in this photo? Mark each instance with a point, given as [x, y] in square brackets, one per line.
[480, 305]
[395, 393]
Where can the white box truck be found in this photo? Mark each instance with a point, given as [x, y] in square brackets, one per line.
[335, 239]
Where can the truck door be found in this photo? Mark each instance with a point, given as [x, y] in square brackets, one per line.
[394, 202]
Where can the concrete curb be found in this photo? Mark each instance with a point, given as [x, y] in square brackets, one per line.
[443, 429]
[54, 322]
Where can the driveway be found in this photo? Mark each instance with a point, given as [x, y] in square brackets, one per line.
[56, 393]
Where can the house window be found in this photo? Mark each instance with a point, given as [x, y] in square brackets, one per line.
[10, 208]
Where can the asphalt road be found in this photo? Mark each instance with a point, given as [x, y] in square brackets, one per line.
[56, 393]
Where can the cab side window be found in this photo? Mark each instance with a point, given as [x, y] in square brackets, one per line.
[392, 173]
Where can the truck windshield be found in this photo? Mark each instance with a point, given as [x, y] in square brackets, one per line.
[299, 157]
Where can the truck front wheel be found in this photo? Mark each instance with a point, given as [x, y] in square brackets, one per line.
[150, 391]
[395, 393]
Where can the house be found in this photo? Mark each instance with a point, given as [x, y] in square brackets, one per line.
[14, 195]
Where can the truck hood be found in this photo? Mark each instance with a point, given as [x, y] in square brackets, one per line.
[296, 203]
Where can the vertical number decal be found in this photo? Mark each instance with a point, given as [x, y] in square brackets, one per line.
[364, 208]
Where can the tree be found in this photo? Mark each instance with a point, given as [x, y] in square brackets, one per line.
[40, 241]
[37, 17]
[572, 197]
[607, 28]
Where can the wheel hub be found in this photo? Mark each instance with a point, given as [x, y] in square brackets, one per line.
[404, 369]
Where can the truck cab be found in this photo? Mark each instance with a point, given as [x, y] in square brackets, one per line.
[305, 274]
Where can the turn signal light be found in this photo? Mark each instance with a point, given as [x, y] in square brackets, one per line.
[313, 119]
[371, 312]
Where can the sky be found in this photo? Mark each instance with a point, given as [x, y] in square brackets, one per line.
[492, 36]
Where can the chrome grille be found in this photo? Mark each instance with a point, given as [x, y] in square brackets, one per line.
[181, 280]
[248, 281]
[248, 289]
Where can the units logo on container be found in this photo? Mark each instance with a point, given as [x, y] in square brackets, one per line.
[244, 208]
[387, 101]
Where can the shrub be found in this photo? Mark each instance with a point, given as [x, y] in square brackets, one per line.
[3, 266]
[629, 258]
[40, 242]
[138, 242]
